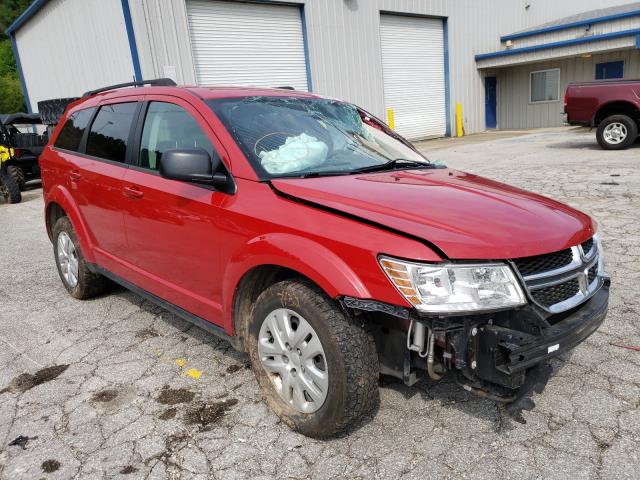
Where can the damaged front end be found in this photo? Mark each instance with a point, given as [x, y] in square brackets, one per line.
[501, 355]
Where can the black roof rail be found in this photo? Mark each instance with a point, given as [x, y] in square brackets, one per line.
[286, 87]
[157, 82]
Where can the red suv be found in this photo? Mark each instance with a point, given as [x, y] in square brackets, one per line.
[314, 238]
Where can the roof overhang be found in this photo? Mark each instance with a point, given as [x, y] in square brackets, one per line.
[590, 44]
[25, 16]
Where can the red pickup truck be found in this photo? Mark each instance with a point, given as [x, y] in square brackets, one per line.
[612, 106]
[311, 236]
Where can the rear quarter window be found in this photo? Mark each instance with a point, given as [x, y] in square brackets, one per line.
[71, 134]
[109, 132]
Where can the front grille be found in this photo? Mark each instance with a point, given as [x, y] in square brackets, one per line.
[561, 280]
[592, 273]
[557, 293]
[543, 263]
[587, 246]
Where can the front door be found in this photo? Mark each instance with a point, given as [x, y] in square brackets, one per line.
[490, 102]
[171, 226]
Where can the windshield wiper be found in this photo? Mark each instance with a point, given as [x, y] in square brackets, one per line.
[393, 164]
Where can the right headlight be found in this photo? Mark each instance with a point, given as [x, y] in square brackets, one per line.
[449, 288]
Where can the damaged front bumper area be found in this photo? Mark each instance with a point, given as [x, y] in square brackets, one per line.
[501, 355]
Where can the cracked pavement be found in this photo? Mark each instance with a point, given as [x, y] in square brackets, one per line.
[139, 393]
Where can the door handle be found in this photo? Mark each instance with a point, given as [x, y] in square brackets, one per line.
[133, 192]
[74, 175]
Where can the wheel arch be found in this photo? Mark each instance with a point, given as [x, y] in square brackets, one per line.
[60, 203]
[617, 107]
[272, 258]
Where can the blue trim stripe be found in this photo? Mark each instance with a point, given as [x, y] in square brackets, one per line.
[638, 41]
[565, 26]
[447, 99]
[132, 40]
[562, 43]
[25, 16]
[305, 43]
[16, 55]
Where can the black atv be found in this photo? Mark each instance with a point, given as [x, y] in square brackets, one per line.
[19, 134]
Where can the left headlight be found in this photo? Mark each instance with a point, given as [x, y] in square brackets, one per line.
[448, 288]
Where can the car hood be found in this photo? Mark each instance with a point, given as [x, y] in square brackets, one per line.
[464, 215]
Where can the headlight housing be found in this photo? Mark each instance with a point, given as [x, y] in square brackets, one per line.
[450, 288]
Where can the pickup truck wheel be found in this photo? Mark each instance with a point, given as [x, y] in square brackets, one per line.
[76, 277]
[617, 132]
[317, 368]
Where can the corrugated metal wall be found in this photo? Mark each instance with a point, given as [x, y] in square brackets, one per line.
[344, 42]
[71, 46]
[514, 108]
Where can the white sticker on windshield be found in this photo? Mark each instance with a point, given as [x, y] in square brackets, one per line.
[553, 348]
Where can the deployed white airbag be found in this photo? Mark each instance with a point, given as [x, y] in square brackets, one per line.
[297, 153]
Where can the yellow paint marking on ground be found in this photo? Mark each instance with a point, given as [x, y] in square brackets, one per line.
[181, 362]
[193, 373]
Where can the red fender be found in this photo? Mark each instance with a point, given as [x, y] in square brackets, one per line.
[60, 195]
[303, 255]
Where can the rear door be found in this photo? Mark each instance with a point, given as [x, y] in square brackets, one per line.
[172, 227]
[95, 177]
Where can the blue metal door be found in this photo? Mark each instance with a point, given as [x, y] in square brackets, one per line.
[490, 101]
[609, 70]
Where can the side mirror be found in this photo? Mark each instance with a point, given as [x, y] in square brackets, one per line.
[192, 165]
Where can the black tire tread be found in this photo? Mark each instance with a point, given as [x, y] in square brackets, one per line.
[18, 173]
[356, 346]
[10, 187]
[89, 284]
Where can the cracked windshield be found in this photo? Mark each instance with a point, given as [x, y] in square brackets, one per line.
[305, 137]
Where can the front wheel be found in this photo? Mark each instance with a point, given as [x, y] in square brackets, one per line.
[617, 132]
[317, 368]
[19, 175]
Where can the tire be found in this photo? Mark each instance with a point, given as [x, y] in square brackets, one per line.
[617, 132]
[52, 110]
[18, 174]
[349, 354]
[87, 284]
[9, 188]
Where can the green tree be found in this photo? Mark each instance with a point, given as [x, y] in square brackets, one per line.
[11, 99]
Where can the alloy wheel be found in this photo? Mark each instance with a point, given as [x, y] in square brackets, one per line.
[67, 259]
[615, 133]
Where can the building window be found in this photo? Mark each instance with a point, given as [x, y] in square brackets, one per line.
[608, 70]
[545, 86]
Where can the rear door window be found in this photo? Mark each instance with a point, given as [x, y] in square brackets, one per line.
[71, 134]
[167, 127]
[109, 132]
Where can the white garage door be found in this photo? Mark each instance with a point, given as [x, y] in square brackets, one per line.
[247, 44]
[413, 69]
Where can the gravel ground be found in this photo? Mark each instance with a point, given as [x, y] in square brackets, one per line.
[116, 387]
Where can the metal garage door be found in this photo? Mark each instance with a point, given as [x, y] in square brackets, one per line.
[247, 44]
[413, 69]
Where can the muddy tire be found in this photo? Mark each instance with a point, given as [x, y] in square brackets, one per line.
[317, 367]
[76, 277]
[9, 188]
[18, 174]
[617, 132]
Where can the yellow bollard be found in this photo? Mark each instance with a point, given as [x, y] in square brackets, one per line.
[390, 121]
[459, 132]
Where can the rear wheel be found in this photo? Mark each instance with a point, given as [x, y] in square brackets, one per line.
[317, 368]
[18, 174]
[617, 132]
[9, 188]
[74, 271]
